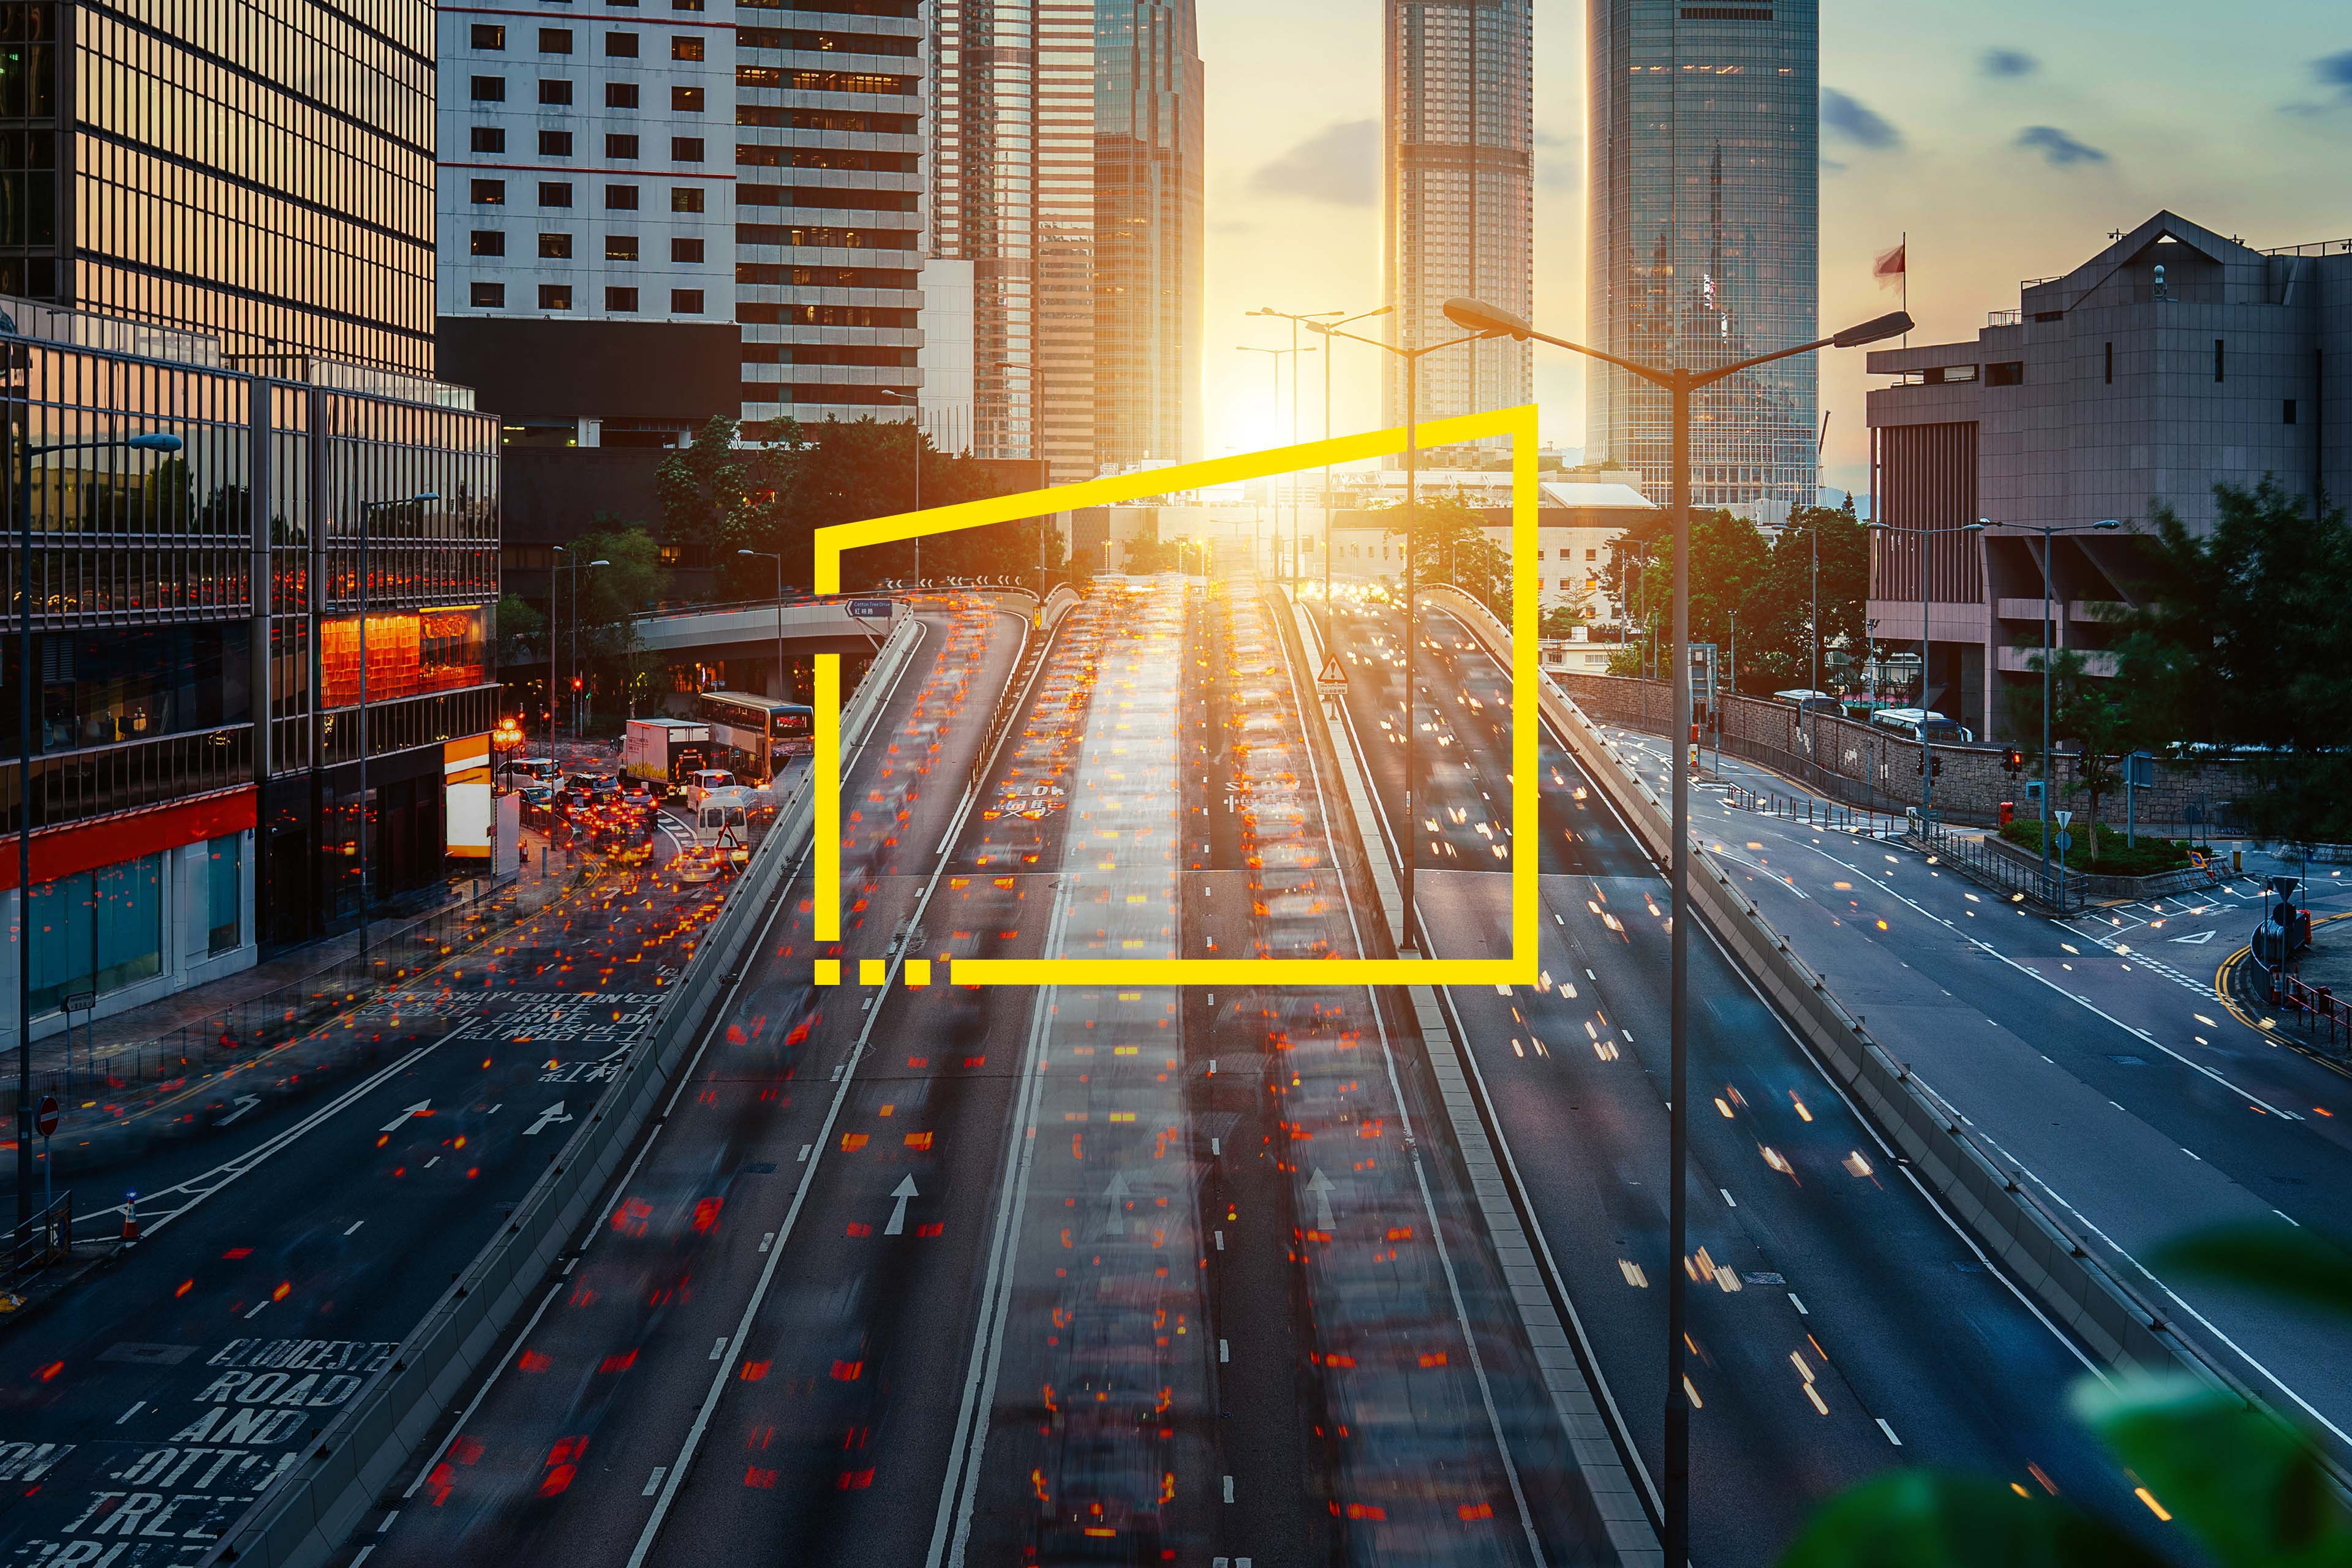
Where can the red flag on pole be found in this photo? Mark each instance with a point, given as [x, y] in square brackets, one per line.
[1889, 267]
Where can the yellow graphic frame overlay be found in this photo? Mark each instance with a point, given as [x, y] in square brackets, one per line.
[1519, 969]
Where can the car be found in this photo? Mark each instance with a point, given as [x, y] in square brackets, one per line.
[600, 787]
[636, 791]
[703, 782]
[697, 865]
[519, 770]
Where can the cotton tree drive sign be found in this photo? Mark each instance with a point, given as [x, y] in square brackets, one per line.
[870, 609]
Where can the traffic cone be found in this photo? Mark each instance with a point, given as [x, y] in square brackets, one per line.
[130, 1221]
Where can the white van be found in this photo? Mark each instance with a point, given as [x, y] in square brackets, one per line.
[720, 821]
[702, 782]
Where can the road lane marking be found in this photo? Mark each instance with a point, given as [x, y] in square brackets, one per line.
[1890, 1432]
[355, 1224]
[654, 1480]
[130, 1413]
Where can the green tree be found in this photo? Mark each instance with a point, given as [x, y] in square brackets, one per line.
[1449, 544]
[1729, 556]
[718, 497]
[519, 628]
[610, 597]
[2234, 641]
[1774, 649]
[1142, 556]
[2087, 710]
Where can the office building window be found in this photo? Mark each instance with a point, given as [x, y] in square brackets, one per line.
[489, 192]
[97, 931]
[225, 890]
[489, 138]
[621, 301]
[686, 99]
[489, 89]
[620, 247]
[620, 95]
[2005, 373]
[2286, 411]
[621, 199]
[488, 36]
[686, 5]
[685, 47]
[2111, 364]
[2217, 365]
[555, 192]
[489, 242]
[685, 301]
[1592, 555]
[554, 89]
[555, 143]
[686, 250]
[555, 297]
[489, 295]
[620, 45]
[555, 40]
[620, 146]
[685, 199]
[685, 148]
[555, 247]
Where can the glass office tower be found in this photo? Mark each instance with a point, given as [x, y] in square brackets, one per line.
[1459, 194]
[1703, 151]
[261, 173]
[1149, 246]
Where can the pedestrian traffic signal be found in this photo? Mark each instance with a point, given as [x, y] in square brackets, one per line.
[2012, 762]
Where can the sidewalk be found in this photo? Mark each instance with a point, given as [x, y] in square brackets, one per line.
[280, 984]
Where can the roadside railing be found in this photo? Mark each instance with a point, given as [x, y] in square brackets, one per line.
[2315, 1011]
[1836, 816]
[38, 1242]
[1972, 859]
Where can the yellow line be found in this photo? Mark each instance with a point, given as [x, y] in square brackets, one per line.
[1239, 972]
[825, 768]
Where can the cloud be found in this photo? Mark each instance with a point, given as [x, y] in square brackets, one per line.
[1856, 121]
[1553, 139]
[2058, 149]
[2007, 63]
[1340, 163]
[2335, 71]
[1834, 166]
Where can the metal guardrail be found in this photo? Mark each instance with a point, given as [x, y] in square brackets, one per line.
[1972, 859]
[36, 1243]
[1836, 816]
[2313, 1010]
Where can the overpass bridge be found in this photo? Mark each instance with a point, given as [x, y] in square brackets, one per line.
[746, 635]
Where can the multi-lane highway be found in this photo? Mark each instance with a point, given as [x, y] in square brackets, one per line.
[1839, 1324]
[2094, 1054]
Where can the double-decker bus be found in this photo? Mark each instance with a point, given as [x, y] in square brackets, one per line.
[749, 733]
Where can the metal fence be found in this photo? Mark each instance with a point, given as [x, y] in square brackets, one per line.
[1973, 859]
[38, 1242]
[1836, 816]
[2315, 1011]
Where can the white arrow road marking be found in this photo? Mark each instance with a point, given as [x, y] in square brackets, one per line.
[244, 1106]
[902, 1192]
[1320, 1186]
[422, 1108]
[553, 1113]
[1115, 1195]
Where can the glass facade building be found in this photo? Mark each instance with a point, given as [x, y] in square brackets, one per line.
[1704, 193]
[193, 790]
[1458, 194]
[262, 174]
[1149, 247]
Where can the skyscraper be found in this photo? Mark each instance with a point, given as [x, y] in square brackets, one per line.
[1066, 170]
[1458, 194]
[1704, 147]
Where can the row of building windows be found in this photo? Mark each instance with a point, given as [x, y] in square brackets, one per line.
[556, 92]
[827, 81]
[620, 148]
[617, 45]
[758, 314]
[558, 296]
[856, 121]
[559, 248]
[558, 194]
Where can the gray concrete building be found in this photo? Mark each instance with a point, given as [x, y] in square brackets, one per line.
[2174, 359]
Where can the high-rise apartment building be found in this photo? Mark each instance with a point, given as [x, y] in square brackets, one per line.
[1458, 194]
[1703, 146]
[222, 233]
[261, 173]
[1066, 170]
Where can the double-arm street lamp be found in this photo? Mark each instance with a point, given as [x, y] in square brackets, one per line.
[1274, 357]
[367, 515]
[2104, 525]
[1410, 936]
[1313, 323]
[1887, 530]
[28, 676]
[1679, 384]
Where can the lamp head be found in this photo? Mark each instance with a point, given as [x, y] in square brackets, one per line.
[2109, 522]
[156, 441]
[1893, 324]
[747, 553]
[1976, 527]
[600, 563]
[1477, 316]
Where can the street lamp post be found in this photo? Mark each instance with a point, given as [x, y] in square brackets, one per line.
[1409, 937]
[915, 426]
[1275, 356]
[367, 512]
[1679, 384]
[2103, 525]
[28, 675]
[783, 691]
[1927, 747]
[555, 631]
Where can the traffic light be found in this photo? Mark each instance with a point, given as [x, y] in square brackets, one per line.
[1937, 765]
[2012, 762]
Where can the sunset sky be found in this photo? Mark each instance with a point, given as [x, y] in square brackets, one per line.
[2007, 137]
